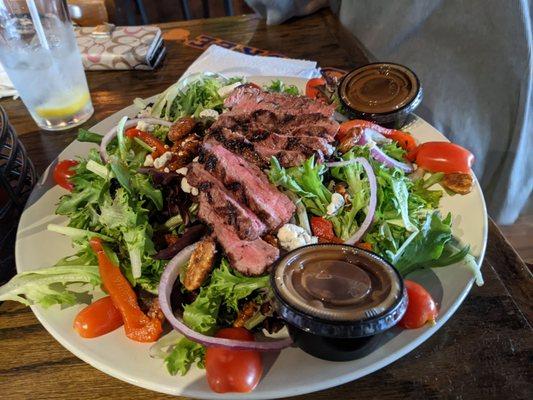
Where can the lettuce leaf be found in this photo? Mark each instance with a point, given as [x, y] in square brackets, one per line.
[426, 245]
[183, 355]
[226, 288]
[279, 87]
[49, 286]
[306, 181]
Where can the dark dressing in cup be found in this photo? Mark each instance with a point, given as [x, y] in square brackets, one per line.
[384, 93]
[335, 298]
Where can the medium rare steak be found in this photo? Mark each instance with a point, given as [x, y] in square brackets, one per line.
[212, 191]
[274, 139]
[248, 257]
[304, 124]
[248, 184]
[260, 153]
[248, 98]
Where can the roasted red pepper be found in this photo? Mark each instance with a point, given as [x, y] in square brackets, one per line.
[149, 139]
[137, 325]
[404, 140]
[323, 229]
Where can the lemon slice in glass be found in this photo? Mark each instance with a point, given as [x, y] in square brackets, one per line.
[64, 109]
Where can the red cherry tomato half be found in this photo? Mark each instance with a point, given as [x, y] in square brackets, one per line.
[311, 88]
[63, 171]
[98, 318]
[421, 308]
[442, 157]
[233, 370]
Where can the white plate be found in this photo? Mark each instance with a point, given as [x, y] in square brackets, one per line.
[293, 372]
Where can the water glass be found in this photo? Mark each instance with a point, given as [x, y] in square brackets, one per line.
[39, 53]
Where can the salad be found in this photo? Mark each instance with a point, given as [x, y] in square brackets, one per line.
[141, 239]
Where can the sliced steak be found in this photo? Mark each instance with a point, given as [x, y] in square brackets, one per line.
[248, 184]
[248, 257]
[303, 124]
[305, 144]
[247, 98]
[246, 224]
[257, 153]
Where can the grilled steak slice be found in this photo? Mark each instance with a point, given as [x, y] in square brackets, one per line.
[303, 124]
[257, 153]
[248, 257]
[248, 184]
[211, 190]
[247, 98]
[305, 144]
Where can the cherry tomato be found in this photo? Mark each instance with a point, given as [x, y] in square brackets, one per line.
[421, 308]
[98, 318]
[323, 229]
[233, 370]
[311, 88]
[149, 139]
[63, 171]
[442, 157]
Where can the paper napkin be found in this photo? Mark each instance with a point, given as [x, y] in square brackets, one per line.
[231, 63]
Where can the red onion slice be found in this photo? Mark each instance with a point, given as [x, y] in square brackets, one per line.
[373, 195]
[165, 289]
[378, 155]
[109, 136]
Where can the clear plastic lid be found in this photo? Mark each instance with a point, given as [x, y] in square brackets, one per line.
[337, 283]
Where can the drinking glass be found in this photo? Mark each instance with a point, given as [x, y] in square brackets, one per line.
[39, 53]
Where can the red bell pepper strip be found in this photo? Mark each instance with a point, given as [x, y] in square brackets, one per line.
[149, 139]
[404, 140]
[137, 325]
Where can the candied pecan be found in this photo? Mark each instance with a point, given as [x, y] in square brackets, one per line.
[200, 264]
[170, 239]
[349, 140]
[247, 311]
[155, 310]
[458, 183]
[181, 128]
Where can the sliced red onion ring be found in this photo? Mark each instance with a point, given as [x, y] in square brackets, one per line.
[376, 136]
[373, 195]
[165, 289]
[109, 136]
[378, 155]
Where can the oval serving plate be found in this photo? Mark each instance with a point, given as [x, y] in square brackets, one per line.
[290, 373]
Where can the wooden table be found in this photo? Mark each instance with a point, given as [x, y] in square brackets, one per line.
[483, 352]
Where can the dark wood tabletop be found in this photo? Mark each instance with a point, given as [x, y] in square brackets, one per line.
[484, 352]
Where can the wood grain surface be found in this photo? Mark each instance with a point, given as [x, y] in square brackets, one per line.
[483, 352]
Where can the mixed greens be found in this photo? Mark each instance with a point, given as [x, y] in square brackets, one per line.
[128, 211]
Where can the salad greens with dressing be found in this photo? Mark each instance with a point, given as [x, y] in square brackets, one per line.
[123, 207]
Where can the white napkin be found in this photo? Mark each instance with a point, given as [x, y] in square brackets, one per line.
[6, 87]
[231, 63]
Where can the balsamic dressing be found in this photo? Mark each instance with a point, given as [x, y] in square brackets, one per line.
[327, 292]
[385, 93]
